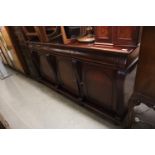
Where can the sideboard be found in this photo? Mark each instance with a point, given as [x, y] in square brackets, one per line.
[98, 75]
[95, 76]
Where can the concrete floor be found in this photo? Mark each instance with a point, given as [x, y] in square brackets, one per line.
[25, 103]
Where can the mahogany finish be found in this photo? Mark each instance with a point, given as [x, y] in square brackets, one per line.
[117, 35]
[67, 76]
[93, 78]
[103, 34]
[94, 75]
[46, 70]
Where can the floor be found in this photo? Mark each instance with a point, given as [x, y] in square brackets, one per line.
[25, 103]
[144, 117]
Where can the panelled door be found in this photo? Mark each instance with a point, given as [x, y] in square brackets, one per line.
[66, 74]
[98, 85]
[46, 64]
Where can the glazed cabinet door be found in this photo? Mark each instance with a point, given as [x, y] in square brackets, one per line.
[98, 85]
[46, 65]
[67, 76]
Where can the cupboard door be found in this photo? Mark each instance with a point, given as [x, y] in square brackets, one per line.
[126, 35]
[67, 75]
[98, 85]
[47, 71]
[103, 34]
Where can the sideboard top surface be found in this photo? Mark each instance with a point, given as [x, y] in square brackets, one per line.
[91, 47]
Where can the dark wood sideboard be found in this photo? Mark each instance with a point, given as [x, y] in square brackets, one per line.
[95, 75]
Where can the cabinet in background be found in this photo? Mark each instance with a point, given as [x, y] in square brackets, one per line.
[128, 36]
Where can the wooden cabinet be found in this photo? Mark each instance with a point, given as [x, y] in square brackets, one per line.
[95, 74]
[95, 78]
